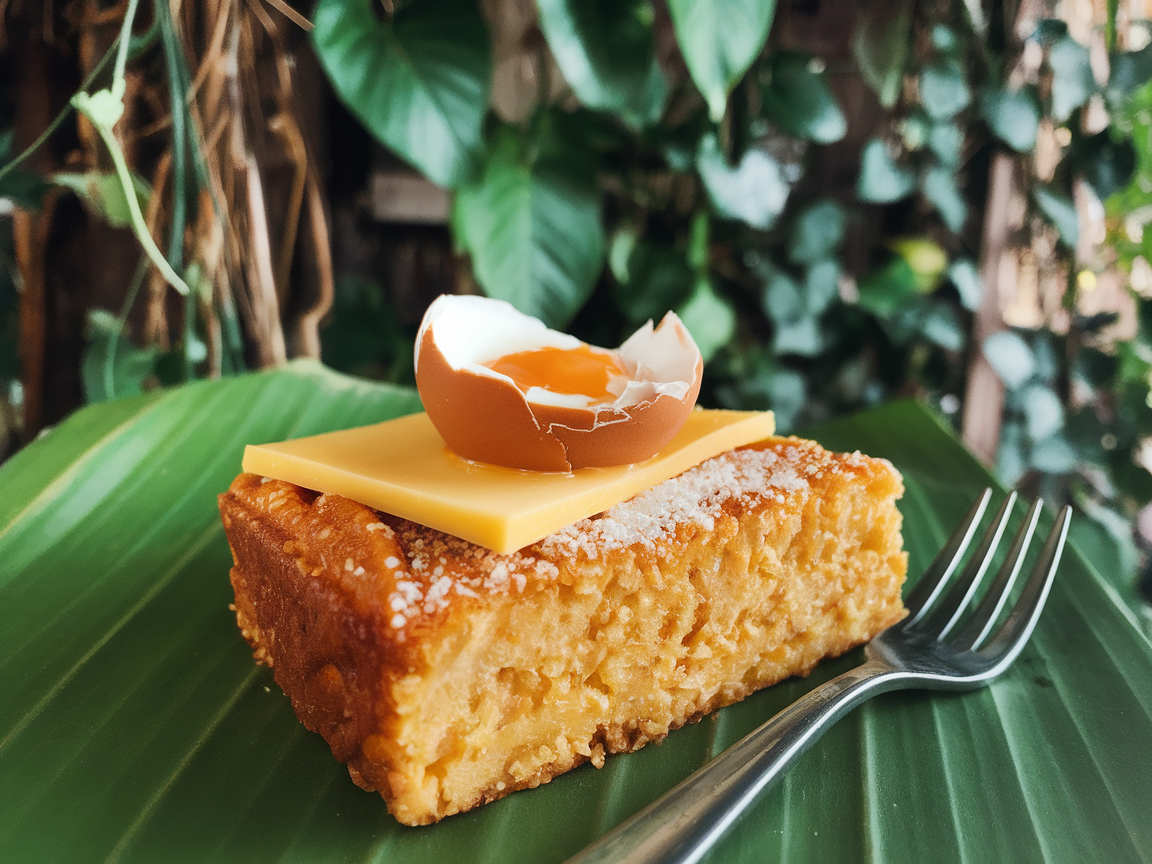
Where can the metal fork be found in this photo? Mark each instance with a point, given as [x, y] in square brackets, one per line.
[930, 648]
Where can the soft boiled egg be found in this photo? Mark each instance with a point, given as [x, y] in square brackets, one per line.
[502, 388]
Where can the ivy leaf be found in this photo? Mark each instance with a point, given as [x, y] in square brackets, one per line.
[655, 279]
[1049, 30]
[755, 191]
[943, 91]
[1061, 212]
[786, 301]
[1010, 358]
[946, 140]
[939, 325]
[925, 258]
[624, 240]
[103, 195]
[882, 180]
[801, 337]
[1010, 462]
[945, 41]
[1043, 412]
[880, 46]
[820, 285]
[817, 232]
[783, 298]
[800, 102]
[709, 318]
[719, 39]
[1129, 70]
[969, 285]
[939, 186]
[776, 388]
[533, 229]
[1014, 115]
[889, 288]
[1072, 78]
[1053, 455]
[1106, 165]
[605, 50]
[419, 82]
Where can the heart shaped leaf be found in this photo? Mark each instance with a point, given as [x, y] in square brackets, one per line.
[418, 82]
[605, 50]
[755, 191]
[719, 40]
[531, 222]
[882, 179]
[799, 100]
[1014, 116]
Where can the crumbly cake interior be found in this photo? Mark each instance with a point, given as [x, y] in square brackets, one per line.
[447, 675]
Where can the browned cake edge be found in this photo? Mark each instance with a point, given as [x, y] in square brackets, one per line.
[321, 583]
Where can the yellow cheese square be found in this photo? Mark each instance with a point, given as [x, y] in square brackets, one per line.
[403, 467]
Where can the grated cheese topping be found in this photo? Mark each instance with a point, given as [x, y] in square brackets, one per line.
[442, 566]
[696, 498]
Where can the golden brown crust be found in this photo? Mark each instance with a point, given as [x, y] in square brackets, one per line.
[447, 675]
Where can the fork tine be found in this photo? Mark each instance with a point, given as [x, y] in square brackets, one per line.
[976, 628]
[944, 618]
[1013, 634]
[939, 571]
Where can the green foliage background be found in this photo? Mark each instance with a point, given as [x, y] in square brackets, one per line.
[645, 194]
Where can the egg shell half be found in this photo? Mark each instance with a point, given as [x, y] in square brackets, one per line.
[482, 415]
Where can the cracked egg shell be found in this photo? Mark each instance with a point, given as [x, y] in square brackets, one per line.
[652, 382]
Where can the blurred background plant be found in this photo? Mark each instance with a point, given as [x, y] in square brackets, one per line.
[846, 202]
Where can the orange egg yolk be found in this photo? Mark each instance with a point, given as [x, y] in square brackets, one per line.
[563, 370]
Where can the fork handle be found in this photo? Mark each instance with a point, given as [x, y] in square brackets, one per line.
[682, 825]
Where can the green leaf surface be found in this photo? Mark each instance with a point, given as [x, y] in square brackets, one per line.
[1014, 115]
[938, 324]
[783, 298]
[605, 50]
[966, 278]
[889, 287]
[1010, 357]
[709, 318]
[943, 91]
[654, 279]
[112, 365]
[939, 186]
[719, 39]
[1105, 164]
[1072, 79]
[880, 45]
[801, 337]
[135, 725]
[882, 180]
[946, 140]
[532, 225]
[755, 191]
[419, 81]
[924, 255]
[103, 195]
[1043, 412]
[1061, 212]
[799, 100]
[817, 232]
[1129, 70]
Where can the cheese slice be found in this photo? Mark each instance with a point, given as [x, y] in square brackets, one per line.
[403, 467]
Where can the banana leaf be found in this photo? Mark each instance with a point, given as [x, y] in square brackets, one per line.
[135, 726]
